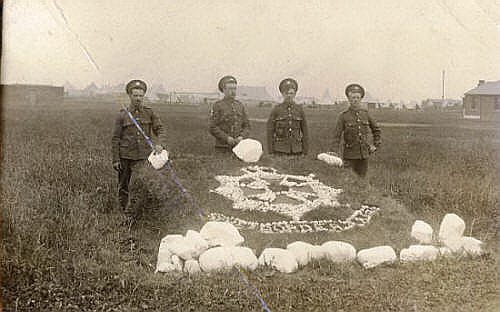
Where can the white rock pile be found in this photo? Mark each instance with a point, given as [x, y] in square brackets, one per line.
[217, 247]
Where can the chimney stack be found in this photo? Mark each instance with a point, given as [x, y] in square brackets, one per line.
[480, 82]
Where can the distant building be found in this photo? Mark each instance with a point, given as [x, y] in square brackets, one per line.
[305, 100]
[326, 99]
[253, 95]
[483, 102]
[370, 102]
[440, 103]
[32, 94]
[187, 98]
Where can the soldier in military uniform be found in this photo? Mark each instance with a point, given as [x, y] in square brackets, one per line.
[354, 124]
[229, 122]
[129, 148]
[287, 127]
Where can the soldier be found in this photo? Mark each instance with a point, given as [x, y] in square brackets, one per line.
[287, 127]
[229, 122]
[354, 124]
[129, 148]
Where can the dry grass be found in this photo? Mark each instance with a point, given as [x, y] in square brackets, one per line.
[65, 248]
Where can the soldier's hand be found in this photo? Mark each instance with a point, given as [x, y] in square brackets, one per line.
[373, 149]
[239, 139]
[231, 141]
[117, 166]
[158, 148]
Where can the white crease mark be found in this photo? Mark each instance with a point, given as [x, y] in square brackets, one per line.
[66, 25]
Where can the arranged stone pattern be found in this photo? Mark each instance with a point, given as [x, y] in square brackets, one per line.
[303, 193]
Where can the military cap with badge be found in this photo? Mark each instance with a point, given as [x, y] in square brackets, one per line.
[287, 84]
[224, 80]
[135, 84]
[355, 88]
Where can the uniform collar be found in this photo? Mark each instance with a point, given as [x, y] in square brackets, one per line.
[228, 99]
[289, 103]
[133, 108]
[352, 109]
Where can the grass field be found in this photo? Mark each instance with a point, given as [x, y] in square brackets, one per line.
[65, 248]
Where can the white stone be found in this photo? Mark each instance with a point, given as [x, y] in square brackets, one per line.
[280, 259]
[419, 253]
[183, 248]
[422, 232]
[177, 262]
[454, 244]
[452, 228]
[330, 159]
[472, 246]
[199, 243]
[221, 234]
[302, 252]
[215, 259]
[317, 252]
[158, 160]
[171, 237]
[248, 150]
[192, 267]
[372, 257]
[243, 257]
[445, 252]
[336, 251]
[164, 261]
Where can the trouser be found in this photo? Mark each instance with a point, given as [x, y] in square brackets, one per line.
[359, 166]
[224, 152]
[128, 166]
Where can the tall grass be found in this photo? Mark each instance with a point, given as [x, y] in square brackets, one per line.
[65, 246]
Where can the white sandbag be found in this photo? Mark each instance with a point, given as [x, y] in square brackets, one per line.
[215, 259]
[330, 159]
[375, 256]
[422, 232]
[280, 259]
[336, 251]
[158, 160]
[248, 150]
[472, 246]
[302, 252]
[164, 261]
[243, 257]
[192, 267]
[419, 253]
[452, 228]
[221, 234]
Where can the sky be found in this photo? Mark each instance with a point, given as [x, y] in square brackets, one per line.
[396, 49]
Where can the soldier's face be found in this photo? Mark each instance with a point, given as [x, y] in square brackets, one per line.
[289, 94]
[230, 90]
[136, 96]
[354, 99]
